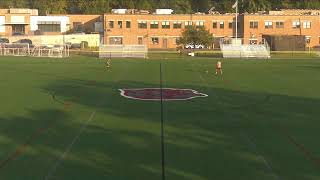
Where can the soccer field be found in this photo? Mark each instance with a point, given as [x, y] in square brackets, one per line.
[65, 119]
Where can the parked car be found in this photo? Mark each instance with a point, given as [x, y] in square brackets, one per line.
[26, 41]
[197, 46]
[4, 40]
[75, 46]
[17, 34]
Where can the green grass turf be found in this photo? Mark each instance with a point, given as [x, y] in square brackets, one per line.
[260, 120]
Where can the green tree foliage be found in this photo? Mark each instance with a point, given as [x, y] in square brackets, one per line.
[14, 3]
[179, 6]
[193, 35]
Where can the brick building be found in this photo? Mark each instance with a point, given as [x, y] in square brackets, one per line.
[27, 22]
[276, 23]
[16, 21]
[162, 31]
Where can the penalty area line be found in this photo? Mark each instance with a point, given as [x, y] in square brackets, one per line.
[69, 147]
[265, 162]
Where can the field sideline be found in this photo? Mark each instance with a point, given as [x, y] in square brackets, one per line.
[65, 119]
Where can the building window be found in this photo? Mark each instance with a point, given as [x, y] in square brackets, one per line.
[176, 40]
[177, 25]
[268, 25]
[155, 40]
[77, 27]
[199, 24]
[254, 24]
[49, 26]
[295, 24]
[142, 24]
[230, 25]
[165, 25]
[18, 28]
[307, 25]
[279, 24]
[128, 24]
[115, 40]
[140, 40]
[187, 24]
[214, 25]
[111, 24]
[221, 25]
[120, 24]
[154, 24]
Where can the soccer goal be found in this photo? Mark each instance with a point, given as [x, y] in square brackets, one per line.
[235, 48]
[53, 51]
[14, 49]
[120, 51]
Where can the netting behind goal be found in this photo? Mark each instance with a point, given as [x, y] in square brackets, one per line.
[119, 51]
[54, 51]
[236, 49]
[14, 49]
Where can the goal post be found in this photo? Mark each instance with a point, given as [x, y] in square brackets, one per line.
[25, 49]
[14, 49]
[236, 48]
[122, 51]
[50, 50]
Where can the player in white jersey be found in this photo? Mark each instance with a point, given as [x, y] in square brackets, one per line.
[218, 67]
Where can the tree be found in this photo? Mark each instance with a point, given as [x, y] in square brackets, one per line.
[14, 3]
[193, 35]
[50, 6]
[95, 6]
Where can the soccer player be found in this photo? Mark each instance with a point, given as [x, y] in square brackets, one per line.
[108, 63]
[218, 67]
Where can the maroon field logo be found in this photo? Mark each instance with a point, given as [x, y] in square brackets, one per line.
[154, 94]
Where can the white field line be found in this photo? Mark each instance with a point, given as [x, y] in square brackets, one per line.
[251, 143]
[67, 150]
[268, 165]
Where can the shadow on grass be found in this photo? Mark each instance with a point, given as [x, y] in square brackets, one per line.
[229, 135]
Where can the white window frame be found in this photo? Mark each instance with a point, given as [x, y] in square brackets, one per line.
[188, 23]
[296, 24]
[154, 23]
[307, 24]
[253, 21]
[279, 23]
[199, 23]
[221, 23]
[177, 22]
[268, 24]
[142, 22]
[153, 42]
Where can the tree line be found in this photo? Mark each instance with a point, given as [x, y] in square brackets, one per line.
[179, 6]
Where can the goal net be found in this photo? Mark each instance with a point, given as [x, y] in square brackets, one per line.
[14, 49]
[49, 50]
[120, 51]
[235, 48]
